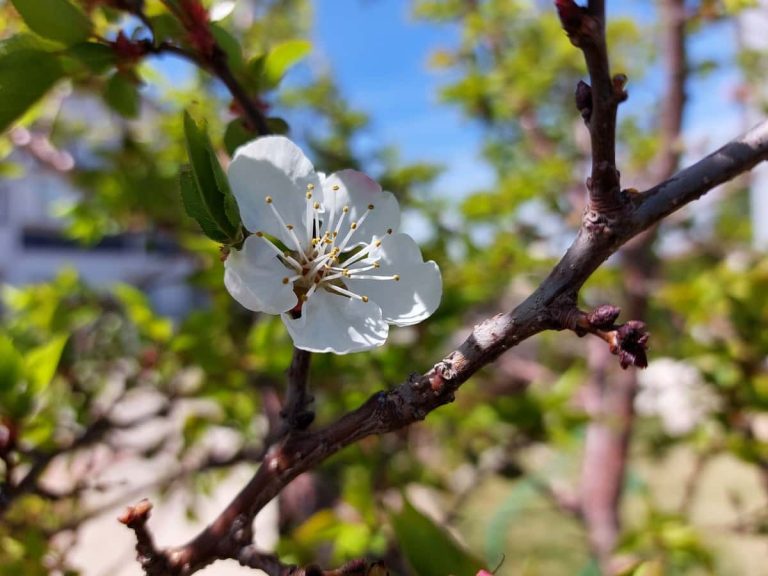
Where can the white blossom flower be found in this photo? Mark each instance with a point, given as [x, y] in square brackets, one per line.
[675, 392]
[325, 252]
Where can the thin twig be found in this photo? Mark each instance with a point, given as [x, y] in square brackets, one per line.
[586, 29]
[610, 395]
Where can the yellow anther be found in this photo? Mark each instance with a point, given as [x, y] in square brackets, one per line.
[286, 280]
[335, 187]
[353, 226]
[364, 298]
[396, 277]
[309, 195]
[268, 199]
[316, 205]
[345, 273]
[370, 206]
[304, 297]
[335, 234]
[259, 234]
[310, 186]
[377, 243]
[345, 209]
[376, 265]
[289, 226]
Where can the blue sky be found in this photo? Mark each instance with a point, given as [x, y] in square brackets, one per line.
[379, 53]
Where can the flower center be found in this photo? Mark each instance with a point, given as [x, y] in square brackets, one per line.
[327, 252]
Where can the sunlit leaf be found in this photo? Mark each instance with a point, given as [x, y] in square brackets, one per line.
[430, 550]
[57, 20]
[41, 362]
[281, 58]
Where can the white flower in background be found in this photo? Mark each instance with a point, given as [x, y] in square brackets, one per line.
[325, 252]
[674, 391]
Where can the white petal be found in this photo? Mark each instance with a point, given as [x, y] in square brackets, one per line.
[418, 292]
[273, 166]
[221, 10]
[254, 277]
[358, 191]
[333, 323]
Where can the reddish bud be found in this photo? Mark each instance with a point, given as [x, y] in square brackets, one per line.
[128, 51]
[8, 436]
[631, 344]
[570, 15]
[136, 514]
[603, 316]
[196, 21]
[583, 98]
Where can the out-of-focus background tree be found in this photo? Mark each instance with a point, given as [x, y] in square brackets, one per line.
[131, 371]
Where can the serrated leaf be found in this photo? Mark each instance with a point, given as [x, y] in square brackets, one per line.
[210, 200]
[430, 550]
[41, 363]
[25, 76]
[57, 20]
[196, 207]
[281, 58]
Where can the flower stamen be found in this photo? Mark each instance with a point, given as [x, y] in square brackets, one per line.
[286, 257]
[345, 292]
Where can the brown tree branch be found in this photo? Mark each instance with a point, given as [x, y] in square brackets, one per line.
[610, 396]
[413, 399]
[213, 59]
[599, 104]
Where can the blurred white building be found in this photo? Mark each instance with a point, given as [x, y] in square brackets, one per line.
[34, 247]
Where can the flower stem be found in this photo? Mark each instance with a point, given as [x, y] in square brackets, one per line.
[298, 413]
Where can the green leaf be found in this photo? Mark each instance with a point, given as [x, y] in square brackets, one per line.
[236, 135]
[196, 208]
[55, 19]
[141, 314]
[25, 76]
[96, 57]
[430, 550]
[281, 58]
[278, 125]
[205, 189]
[230, 45]
[166, 27]
[11, 366]
[122, 95]
[41, 363]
